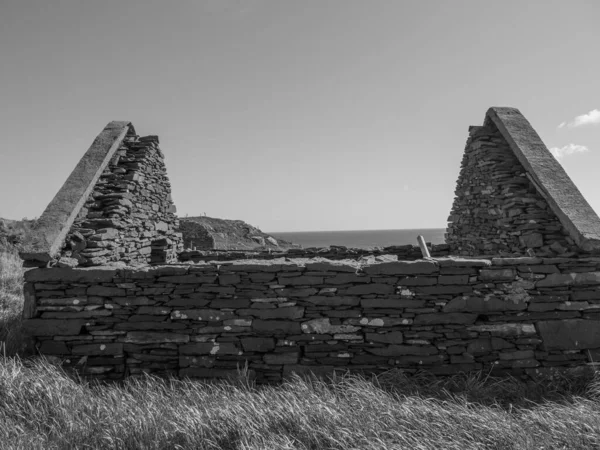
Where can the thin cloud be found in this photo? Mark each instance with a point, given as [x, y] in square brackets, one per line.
[591, 118]
[570, 149]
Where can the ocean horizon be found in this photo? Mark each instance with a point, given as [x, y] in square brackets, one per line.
[361, 238]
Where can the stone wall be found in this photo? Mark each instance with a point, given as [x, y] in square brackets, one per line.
[497, 209]
[444, 315]
[514, 198]
[403, 252]
[129, 216]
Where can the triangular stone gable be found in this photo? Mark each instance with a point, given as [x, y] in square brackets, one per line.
[115, 206]
[514, 198]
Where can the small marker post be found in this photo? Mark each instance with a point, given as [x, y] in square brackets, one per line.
[424, 249]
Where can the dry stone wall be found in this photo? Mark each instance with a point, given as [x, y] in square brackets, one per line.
[403, 252]
[498, 210]
[129, 216]
[527, 316]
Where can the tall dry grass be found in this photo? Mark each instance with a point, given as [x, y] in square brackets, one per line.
[11, 303]
[42, 408]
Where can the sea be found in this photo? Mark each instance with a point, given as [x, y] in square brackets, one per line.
[361, 238]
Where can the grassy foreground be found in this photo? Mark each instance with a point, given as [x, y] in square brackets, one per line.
[41, 407]
[11, 303]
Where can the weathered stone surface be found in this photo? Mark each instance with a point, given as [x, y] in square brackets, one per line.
[402, 268]
[45, 327]
[255, 344]
[54, 348]
[488, 303]
[391, 337]
[367, 289]
[570, 279]
[291, 312]
[276, 326]
[324, 326]
[207, 315]
[400, 350]
[497, 275]
[506, 329]
[521, 260]
[333, 300]
[570, 334]
[209, 348]
[148, 337]
[429, 319]
[106, 291]
[98, 349]
[391, 303]
[453, 261]
[281, 358]
[69, 275]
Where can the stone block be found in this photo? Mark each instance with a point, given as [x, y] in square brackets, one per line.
[69, 275]
[333, 266]
[210, 348]
[505, 329]
[570, 334]
[257, 344]
[570, 279]
[522, 260]
[420, 267]
[149, 337]
[43, 327]
[391, 303]
[203, 315]
[54, 348]
[106, 291]
[347, 278]
[401, 350]
[368, 289]
[98, 349]
[304, 280]
[333, 301]
[451, 279]
[497, 274]
[281, 358]
[445, 318]
[453, 261]
[391, 337]
[488, 303]
[276, 326]
[290, 312]
[324, 326]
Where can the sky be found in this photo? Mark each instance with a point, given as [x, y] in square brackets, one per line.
[294, 115]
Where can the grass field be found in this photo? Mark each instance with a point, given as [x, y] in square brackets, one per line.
[41, 407]
[11, 303]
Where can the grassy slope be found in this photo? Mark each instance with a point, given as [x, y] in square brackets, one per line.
[43, 408]
[11, 302]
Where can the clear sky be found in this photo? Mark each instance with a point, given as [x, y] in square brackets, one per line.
[294, 115]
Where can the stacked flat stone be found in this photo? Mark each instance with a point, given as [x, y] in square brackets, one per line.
[497, 209]
[404, 252]
[129, 217]
[525, 316]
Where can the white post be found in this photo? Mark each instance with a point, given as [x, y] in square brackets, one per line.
[424, 249]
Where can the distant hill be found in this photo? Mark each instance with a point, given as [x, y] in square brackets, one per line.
[209, 233]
